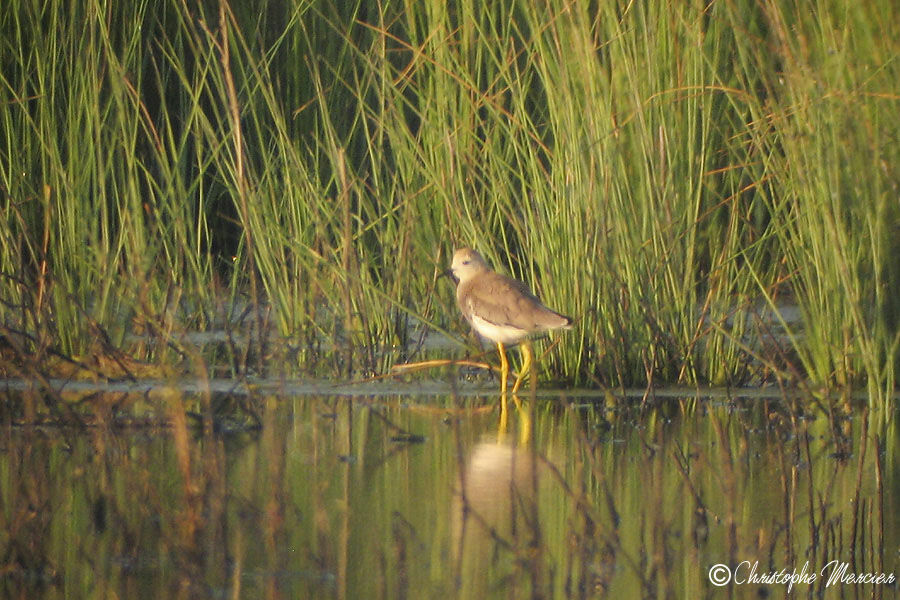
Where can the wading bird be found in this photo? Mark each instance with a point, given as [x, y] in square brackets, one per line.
[501, 309]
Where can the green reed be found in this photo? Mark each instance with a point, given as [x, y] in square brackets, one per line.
[831, 188]
[662, 172]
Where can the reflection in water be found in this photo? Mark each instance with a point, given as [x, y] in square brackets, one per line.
[352, 498]
[495, 513]
[495, 509]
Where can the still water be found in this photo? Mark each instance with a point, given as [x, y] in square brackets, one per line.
[440, 497]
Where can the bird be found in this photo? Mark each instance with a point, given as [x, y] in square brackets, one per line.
[501, 309]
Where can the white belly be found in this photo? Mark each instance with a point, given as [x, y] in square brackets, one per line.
[498, 333]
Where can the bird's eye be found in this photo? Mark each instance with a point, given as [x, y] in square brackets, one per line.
[465, 262]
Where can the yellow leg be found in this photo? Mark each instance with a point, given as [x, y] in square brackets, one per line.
[524, 421]
[504, 367]
[527, 359]
[504, 417]
[524, 413]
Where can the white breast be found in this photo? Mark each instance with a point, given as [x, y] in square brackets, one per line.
[506, 334]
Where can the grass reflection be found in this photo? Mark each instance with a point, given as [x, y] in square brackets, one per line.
[349, 498]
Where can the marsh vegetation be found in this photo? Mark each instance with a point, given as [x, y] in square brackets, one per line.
[668, 172]
[211, 196]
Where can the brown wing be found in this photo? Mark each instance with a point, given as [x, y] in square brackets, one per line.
[506, 302]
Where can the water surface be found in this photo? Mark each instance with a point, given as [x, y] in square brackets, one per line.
[447, 497]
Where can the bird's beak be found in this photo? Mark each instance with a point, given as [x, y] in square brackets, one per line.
[447, 273]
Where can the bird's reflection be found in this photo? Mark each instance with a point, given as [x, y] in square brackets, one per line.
[495, 509]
